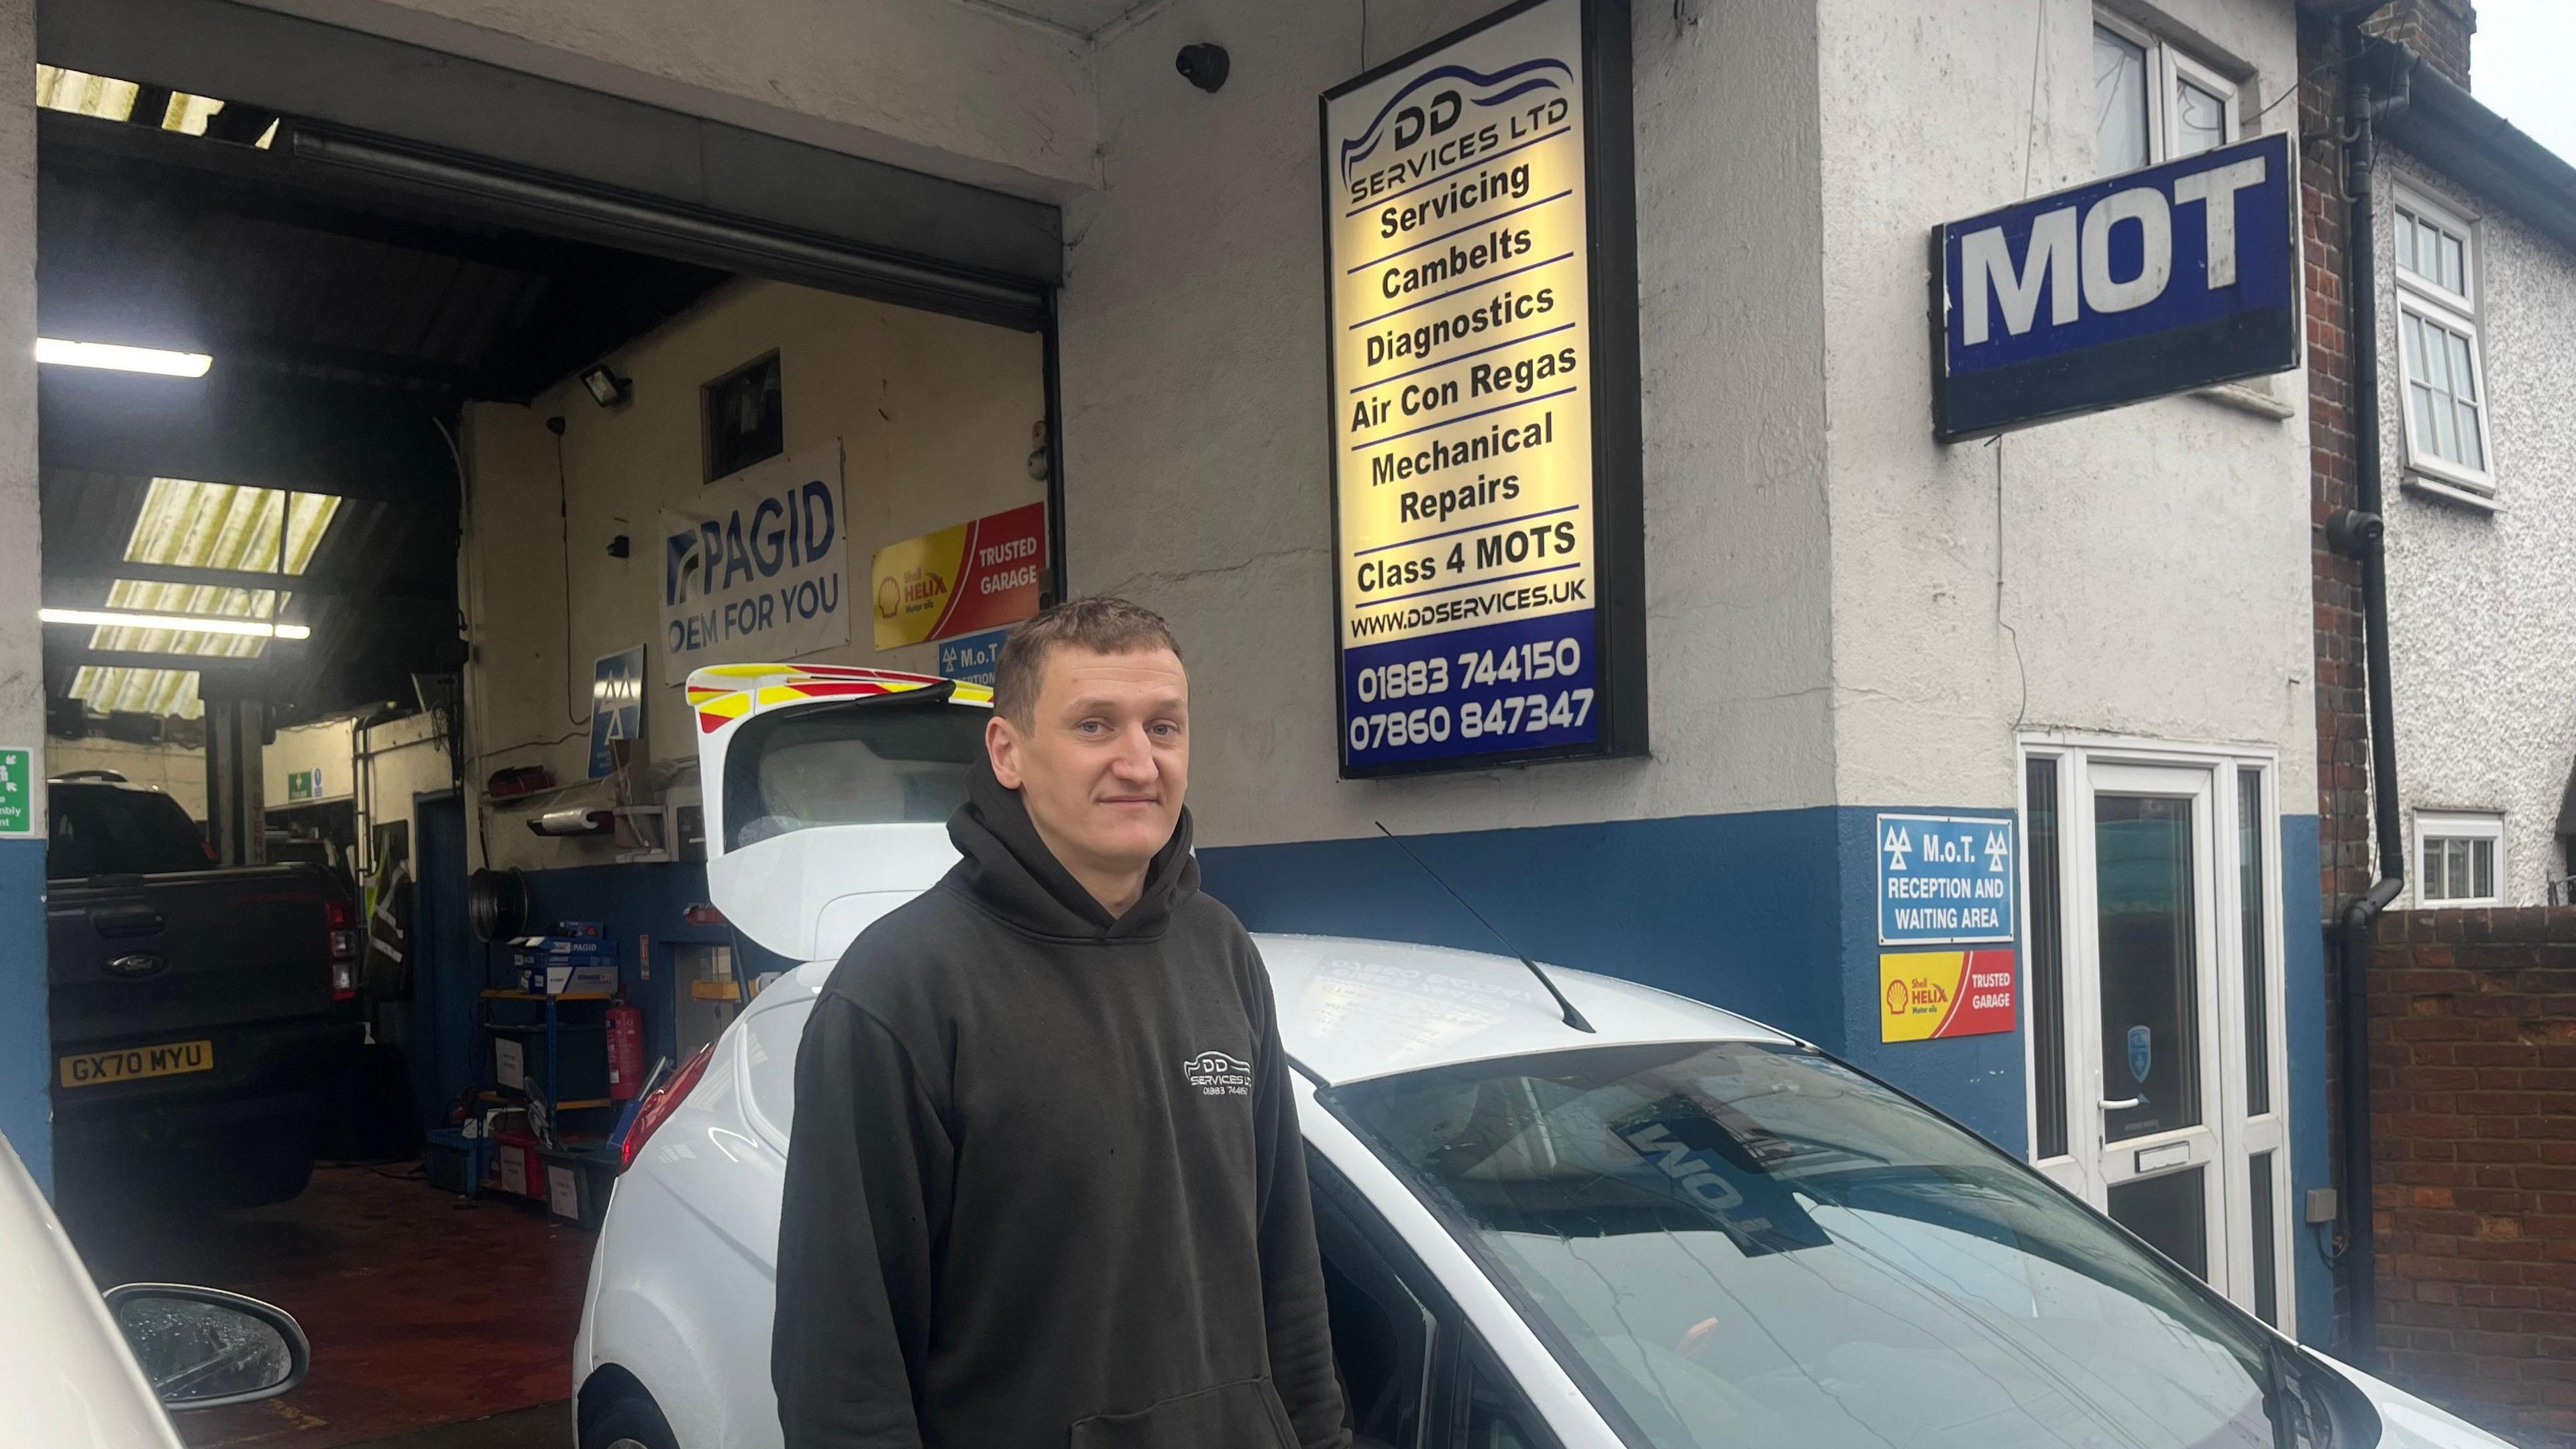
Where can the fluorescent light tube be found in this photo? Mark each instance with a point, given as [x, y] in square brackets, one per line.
[122, 359]
[188, 623]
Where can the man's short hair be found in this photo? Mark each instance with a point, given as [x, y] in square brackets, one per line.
[1100, 625]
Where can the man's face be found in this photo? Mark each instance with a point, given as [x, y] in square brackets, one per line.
[1105, 758]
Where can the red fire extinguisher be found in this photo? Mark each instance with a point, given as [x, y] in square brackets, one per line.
[625, 1050]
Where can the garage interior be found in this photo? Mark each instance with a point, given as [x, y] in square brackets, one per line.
[394, 462]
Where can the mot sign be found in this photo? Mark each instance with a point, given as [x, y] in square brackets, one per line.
[1480, 245]
[2156, 282]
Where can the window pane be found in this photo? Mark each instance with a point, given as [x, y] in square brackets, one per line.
[2457, 862]
[1738, 1246]
[2437, 358]
[2454, 271]
[2170, 1212]
[2142, 852]
[2432, 870]
[2258, 1000]
[2414, 330]
[2464, 379]
[2267, 1305]
[2200, 121]
[2425, 402]
[2482, 869]
[2047, 967]
[2119, 103]
[2473, 451]
[2406, 240]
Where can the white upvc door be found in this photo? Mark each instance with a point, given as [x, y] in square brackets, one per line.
[2158, 1089]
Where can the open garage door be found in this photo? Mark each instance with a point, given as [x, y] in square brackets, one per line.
[511, 404]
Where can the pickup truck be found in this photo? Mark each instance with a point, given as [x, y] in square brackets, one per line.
[197, 1011]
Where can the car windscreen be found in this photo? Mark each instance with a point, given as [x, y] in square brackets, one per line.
[108, 830]
[874, 761]
[1743, 1244]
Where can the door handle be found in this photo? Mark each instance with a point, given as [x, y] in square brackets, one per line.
[2124, 1104]
[126, 921]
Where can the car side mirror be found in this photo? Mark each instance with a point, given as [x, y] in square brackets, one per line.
[202, 1348]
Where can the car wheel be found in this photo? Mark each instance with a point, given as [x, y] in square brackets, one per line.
[628, 1423]
[263, 1171]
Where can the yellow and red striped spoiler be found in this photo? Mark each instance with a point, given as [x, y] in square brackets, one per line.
[725, 693]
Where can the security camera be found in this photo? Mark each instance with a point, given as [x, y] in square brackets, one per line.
[1203, 65]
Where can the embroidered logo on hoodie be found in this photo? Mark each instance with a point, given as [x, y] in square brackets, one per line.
[1217, 1075]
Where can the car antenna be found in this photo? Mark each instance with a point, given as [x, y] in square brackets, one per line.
[1573, 1018]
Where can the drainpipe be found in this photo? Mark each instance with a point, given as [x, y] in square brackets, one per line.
[2357, 533]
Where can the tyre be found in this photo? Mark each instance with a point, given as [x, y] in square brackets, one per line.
[258, 1182]
[627, 1422]
[261, 1168]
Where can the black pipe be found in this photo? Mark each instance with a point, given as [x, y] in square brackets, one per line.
[2358, 534]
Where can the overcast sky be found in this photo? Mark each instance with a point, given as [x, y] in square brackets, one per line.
[2524, 67]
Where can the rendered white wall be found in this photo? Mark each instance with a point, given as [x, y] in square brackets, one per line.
[175, 770]
[22, 681]
[2154, 560]
[324, 746]
[934, 416]
[1196, 434]
[958, 90]
[2482, 606]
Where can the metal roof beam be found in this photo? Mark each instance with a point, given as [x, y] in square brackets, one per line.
[61, 587]
[308, 437]
[75, 656]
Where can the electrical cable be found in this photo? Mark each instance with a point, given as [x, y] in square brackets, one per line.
[563, 523]
[470, 610]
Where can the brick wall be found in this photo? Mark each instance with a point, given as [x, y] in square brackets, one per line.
[2343, 734]
[2473, 1121]
[2437, 31]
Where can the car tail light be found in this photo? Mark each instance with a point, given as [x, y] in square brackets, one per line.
[661, 1102]
[340, 925]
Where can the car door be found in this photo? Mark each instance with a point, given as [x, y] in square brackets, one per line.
[1415, 1374]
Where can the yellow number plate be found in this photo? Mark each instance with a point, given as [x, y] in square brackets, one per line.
[169, 1059]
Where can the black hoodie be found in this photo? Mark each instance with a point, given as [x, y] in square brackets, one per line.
[1046, 1186]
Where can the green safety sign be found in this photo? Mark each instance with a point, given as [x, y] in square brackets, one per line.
[17, 792]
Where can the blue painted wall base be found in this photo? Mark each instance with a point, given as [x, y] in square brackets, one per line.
[26, 1049]
[1772, 914]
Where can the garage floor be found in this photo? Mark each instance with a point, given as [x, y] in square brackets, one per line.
[424, 1310]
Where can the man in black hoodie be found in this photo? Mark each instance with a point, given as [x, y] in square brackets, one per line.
[1046, 1186]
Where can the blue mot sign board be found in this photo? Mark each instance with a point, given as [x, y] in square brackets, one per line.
[2155, 282]
[1945, 879]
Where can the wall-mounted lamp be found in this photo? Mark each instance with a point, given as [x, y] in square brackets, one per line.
[1203, 65]
[606, 388]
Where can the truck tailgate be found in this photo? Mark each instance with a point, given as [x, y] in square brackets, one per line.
[138, 958]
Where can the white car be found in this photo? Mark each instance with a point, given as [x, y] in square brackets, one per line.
[1555, 1209]
[82, 1371]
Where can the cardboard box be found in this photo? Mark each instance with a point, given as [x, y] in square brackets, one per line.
[560, 980]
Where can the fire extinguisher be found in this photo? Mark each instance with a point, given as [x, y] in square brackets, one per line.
[625, 1050]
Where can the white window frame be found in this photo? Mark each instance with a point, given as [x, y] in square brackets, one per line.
[2167, 67]
[2457, 825]
[2429, 301]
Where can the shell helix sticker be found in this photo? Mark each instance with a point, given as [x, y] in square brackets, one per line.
[1928, 995]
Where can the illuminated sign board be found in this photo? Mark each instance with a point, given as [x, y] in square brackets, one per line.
[2153, 282]
[1480, 253]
